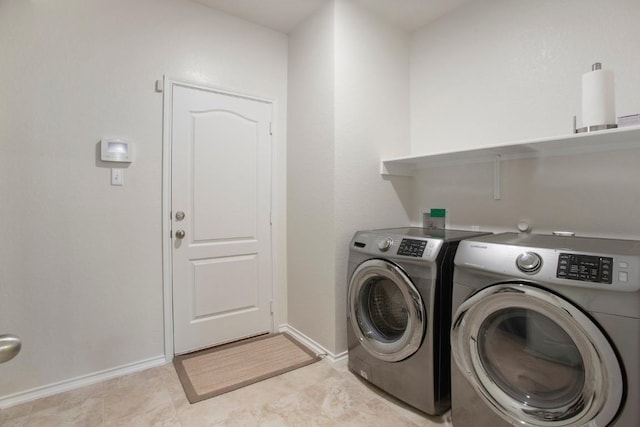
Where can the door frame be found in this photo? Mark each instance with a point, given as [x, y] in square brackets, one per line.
[167, 260]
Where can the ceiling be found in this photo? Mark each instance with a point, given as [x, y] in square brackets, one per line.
[285, 15]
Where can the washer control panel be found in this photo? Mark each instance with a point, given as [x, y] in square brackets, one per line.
[586, 268]
[411, 247]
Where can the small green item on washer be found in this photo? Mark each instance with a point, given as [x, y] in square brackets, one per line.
[438, 213]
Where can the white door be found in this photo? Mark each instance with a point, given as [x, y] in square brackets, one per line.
[220, 203]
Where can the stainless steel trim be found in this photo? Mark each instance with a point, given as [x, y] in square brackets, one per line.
[602, 393]
[10, 346]
[411, 339]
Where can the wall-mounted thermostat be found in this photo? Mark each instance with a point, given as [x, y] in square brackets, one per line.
[116, 150]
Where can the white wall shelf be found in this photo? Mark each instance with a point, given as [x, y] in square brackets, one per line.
[605, 140]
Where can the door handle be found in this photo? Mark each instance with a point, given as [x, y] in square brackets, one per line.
[10, 346]
[180, 234]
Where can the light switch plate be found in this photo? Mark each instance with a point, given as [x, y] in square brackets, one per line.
[117, 176]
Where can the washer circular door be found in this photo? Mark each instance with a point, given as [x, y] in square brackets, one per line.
[535, 358]
[386, 310]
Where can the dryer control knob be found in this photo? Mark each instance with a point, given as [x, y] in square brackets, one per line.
[529, 262]
[385, 244]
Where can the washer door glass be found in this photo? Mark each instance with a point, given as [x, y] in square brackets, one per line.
[385, 310]
[535, 358]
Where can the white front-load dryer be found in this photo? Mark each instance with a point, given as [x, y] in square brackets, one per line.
[546, 332]
[399, 312]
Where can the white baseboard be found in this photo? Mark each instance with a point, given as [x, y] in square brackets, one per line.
[313, 345]
[78, 382]
[96, 377]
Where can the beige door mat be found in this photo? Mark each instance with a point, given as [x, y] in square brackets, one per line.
[213, 371]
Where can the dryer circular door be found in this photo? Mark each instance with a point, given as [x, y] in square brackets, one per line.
[535, 358]
[386, 310]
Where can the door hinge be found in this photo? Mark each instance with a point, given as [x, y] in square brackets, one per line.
[270, 218]
[160, 86]
[270, 128]
[271, 306]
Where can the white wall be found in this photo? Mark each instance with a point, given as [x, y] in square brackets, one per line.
[501, 70]
[497, 71]
[348, 106]
[310, 178]
[81, 261]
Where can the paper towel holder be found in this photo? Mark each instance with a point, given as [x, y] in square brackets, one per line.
[596, 66]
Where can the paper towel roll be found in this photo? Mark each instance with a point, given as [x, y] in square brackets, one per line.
[598, 98]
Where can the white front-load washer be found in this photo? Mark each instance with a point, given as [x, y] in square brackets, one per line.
[546, 332]
[399, 312]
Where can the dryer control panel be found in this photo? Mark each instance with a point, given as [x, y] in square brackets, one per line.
[585, 262]
[586, 268]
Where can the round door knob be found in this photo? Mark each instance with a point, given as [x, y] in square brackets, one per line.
[529, 262]
[180, 234]
[385, 244]
[179, 216]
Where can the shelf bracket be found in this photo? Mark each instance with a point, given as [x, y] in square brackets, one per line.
[496, 177]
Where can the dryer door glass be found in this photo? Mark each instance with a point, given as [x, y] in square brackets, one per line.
[386, 310]
[531, 358]
[535, 358]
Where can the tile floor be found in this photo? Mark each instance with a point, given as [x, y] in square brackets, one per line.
[321, 394]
